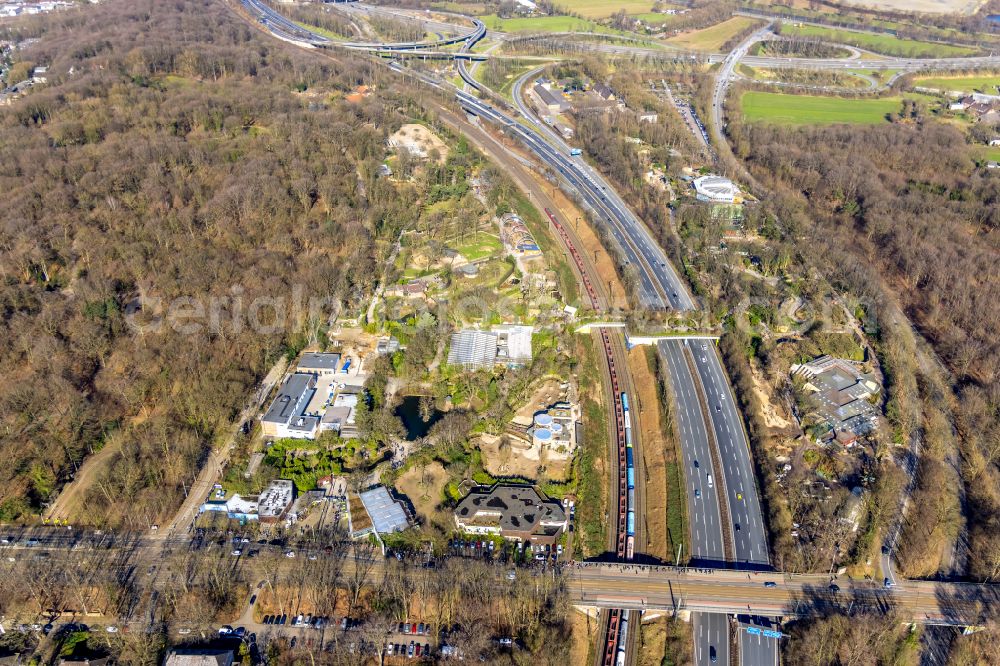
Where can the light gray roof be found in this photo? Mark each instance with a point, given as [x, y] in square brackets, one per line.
[386, 514]
[199, 657]
[473, 349]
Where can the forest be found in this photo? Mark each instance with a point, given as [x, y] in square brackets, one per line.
[175, 153]
[899, 215]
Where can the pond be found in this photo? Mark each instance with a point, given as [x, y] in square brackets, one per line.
[408, 412]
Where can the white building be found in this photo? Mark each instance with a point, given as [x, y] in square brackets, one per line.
[716, 189]
[275, 500]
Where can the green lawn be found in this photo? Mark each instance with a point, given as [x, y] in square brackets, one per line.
[322, 31]
[545, 24]
[987, 84]
[604, 8]
[782, 109]
[990, 153]
[713, 37]
[886, 44]
[478, 247]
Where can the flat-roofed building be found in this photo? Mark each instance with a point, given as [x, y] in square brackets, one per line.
[513, 344]
[285, 417]
[275, 500]
[516, 512]
[199, 657]
[319, 363]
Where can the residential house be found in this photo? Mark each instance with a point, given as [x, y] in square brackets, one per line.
[604, 92]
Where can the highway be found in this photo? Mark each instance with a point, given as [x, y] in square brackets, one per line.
[749, 531]
[711, 638]
[724, 77]
[660, 287]
[707, 546]
[755, 648]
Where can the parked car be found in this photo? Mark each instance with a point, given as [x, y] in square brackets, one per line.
[111, 629]
[225, 630]
[770, 583]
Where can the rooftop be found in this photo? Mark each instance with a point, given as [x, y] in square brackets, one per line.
[513, 508]
[386, 513]
[716, 188]
[548, 97]
[319, 361]
[199, 657]
[292, 398]
[473, 349]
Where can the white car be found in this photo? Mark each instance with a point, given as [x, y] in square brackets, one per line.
[111, 629]
[237, 552]
[290, 553]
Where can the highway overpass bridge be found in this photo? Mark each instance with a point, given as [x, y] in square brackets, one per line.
[775, 594]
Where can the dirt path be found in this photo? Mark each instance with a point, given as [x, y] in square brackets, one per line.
[653, 474]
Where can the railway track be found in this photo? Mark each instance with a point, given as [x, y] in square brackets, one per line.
[624, 538]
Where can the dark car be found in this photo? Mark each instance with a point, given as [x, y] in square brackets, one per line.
[834, 588]
[770, 583]
[713, 657]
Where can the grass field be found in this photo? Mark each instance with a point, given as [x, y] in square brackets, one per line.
[597, 9]
[886, 44]
[713, 37]
[545, 24]
[984, 84]
[991, 153]
[480, 246]
[782, 109]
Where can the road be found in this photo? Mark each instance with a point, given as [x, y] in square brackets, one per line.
[756, 650]
[724, 77]
[749, 532]
[704, 516]
[637, 586]
[659, 285]
[711, 638]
